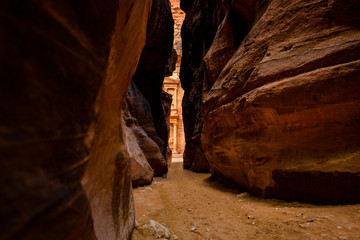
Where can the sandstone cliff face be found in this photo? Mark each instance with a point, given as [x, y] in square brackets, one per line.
[280, 96]
[146, 106]
[149, 75]
[198, 31]
[141, 137]
[140, 146]
[65, 68]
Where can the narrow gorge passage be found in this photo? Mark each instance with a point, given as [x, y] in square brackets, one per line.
[90, 109]
[186, 200]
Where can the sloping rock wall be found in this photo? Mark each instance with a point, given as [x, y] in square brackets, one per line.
[142, 149]
[146, 106]
[280, 103]
[150, 73]
[65, 68]
[198, 31]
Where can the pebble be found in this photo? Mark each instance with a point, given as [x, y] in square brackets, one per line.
[339, 227]
[207, 229]
[193, 229]
[148, 188]
[302, 226]
[310, 220]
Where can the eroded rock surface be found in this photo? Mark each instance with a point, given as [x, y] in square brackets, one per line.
[198, 31]
[140, 146]
[150, 72]
[280, 95]
[146, 106]
[65, 69]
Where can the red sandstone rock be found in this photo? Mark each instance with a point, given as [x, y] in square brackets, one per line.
[280, 96]
[65, 68]
[139, 120]
[199, 28]
[135, 106]
[149, 77]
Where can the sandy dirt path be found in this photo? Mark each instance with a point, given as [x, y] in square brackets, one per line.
[186, 200]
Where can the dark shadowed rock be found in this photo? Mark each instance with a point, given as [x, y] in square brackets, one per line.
[166, 99]
[138, 118]
[149, 75]
[65, 68]
[135, 104]
[198, 31]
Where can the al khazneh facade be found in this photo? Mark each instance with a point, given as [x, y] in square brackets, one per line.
[172, 85]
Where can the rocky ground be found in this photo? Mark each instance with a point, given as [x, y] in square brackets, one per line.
[192, 206]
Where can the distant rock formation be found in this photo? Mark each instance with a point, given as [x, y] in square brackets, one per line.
[272, 95]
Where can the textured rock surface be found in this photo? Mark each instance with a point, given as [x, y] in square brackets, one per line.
[140, 146]
[155, 229]
[150, 73]
[146, 105]
[65, 68]
[166, 100]
[280, 96]
[198, 31]
[142, 136]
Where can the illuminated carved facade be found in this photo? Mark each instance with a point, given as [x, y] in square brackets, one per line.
[172, 85]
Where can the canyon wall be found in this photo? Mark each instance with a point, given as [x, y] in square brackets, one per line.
[198, 31]
[273, 95]
[146, 106]
[65, 69]
[150, 73]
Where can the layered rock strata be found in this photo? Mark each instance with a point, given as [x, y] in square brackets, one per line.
[65, 69]
[280, 96]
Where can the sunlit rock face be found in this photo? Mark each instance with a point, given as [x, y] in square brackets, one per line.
[280, 96]
[65, 68]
